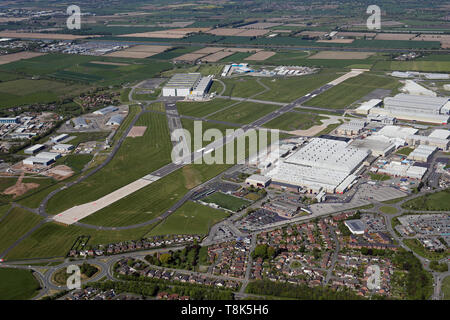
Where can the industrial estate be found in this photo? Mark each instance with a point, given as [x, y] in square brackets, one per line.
[352, 201]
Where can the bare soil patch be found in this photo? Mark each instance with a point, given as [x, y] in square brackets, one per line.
[137, 131]
[19, 56]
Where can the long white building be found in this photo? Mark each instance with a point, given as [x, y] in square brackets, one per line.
[185, 84]
[415, 107]
[320, 164]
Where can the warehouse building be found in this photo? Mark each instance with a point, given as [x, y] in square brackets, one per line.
[378, 145]
[115, 120]
[34, 149]
[258, 181]
[10, 120]
[202, 86]
[59, 138]
[43, 159]
[351, 128]
[440, 134]
[63, 148]
[79, 123]
[320, 164]
[416, 139]
[415, 108]
[106, 110]
[181, 84]
[422, 153]
[381, 119]
[403, 169]
[365, 107]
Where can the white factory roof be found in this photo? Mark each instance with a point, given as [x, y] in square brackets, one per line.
[313, 177]
[34, 148]
[106, 110]
[258, 178]
[183, 80]
[329, 154]
[48, 155]
[377, 144]
[356, 124]
[62, 146]
[115, 120]
[366, 106]
[422, 152]
[440, 134]
[404, 170]
[60, 137]
[415, 102]
[400, 74]
[397, 132]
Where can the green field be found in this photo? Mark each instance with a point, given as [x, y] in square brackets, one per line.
[190, 218]
[289, 89]
[438, 201]
[388, 209]
[378, 177]
[202, 109]
[79, 68]
[24, 91]
[290, 121]
[243, 87]
[75, 161]
[226, 201]
[244, 112]
[54, 240]
[136, 157]
[446, 288]
[405, 151]
[16, 224]
[17, 284]
[427, 66]
[351, 90]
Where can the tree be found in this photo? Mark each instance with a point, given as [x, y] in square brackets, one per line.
[165, 258]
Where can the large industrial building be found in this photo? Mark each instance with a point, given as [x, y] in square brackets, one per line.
[322, 164]
[34, 149]
[115, 120]
[43, 159]
[10, 120]
[403, 169]
[415, 108]
[422, 153]
[186, 84]
[106, 110]
[378, 145]
[351, 128]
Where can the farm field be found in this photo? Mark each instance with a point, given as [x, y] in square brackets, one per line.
[427, 66]
[16, 224]
[17, 284]
[202, 109]
[190, 218]
[287, 90]
[25, 91]
[244, 112]
[351, 90]
[76, 161]
[137, 157]
[78, 68]
[291, 121]
[226, 201]
[242, 87]
[438, 201]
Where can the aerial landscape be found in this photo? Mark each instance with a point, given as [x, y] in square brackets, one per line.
[224, 150]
